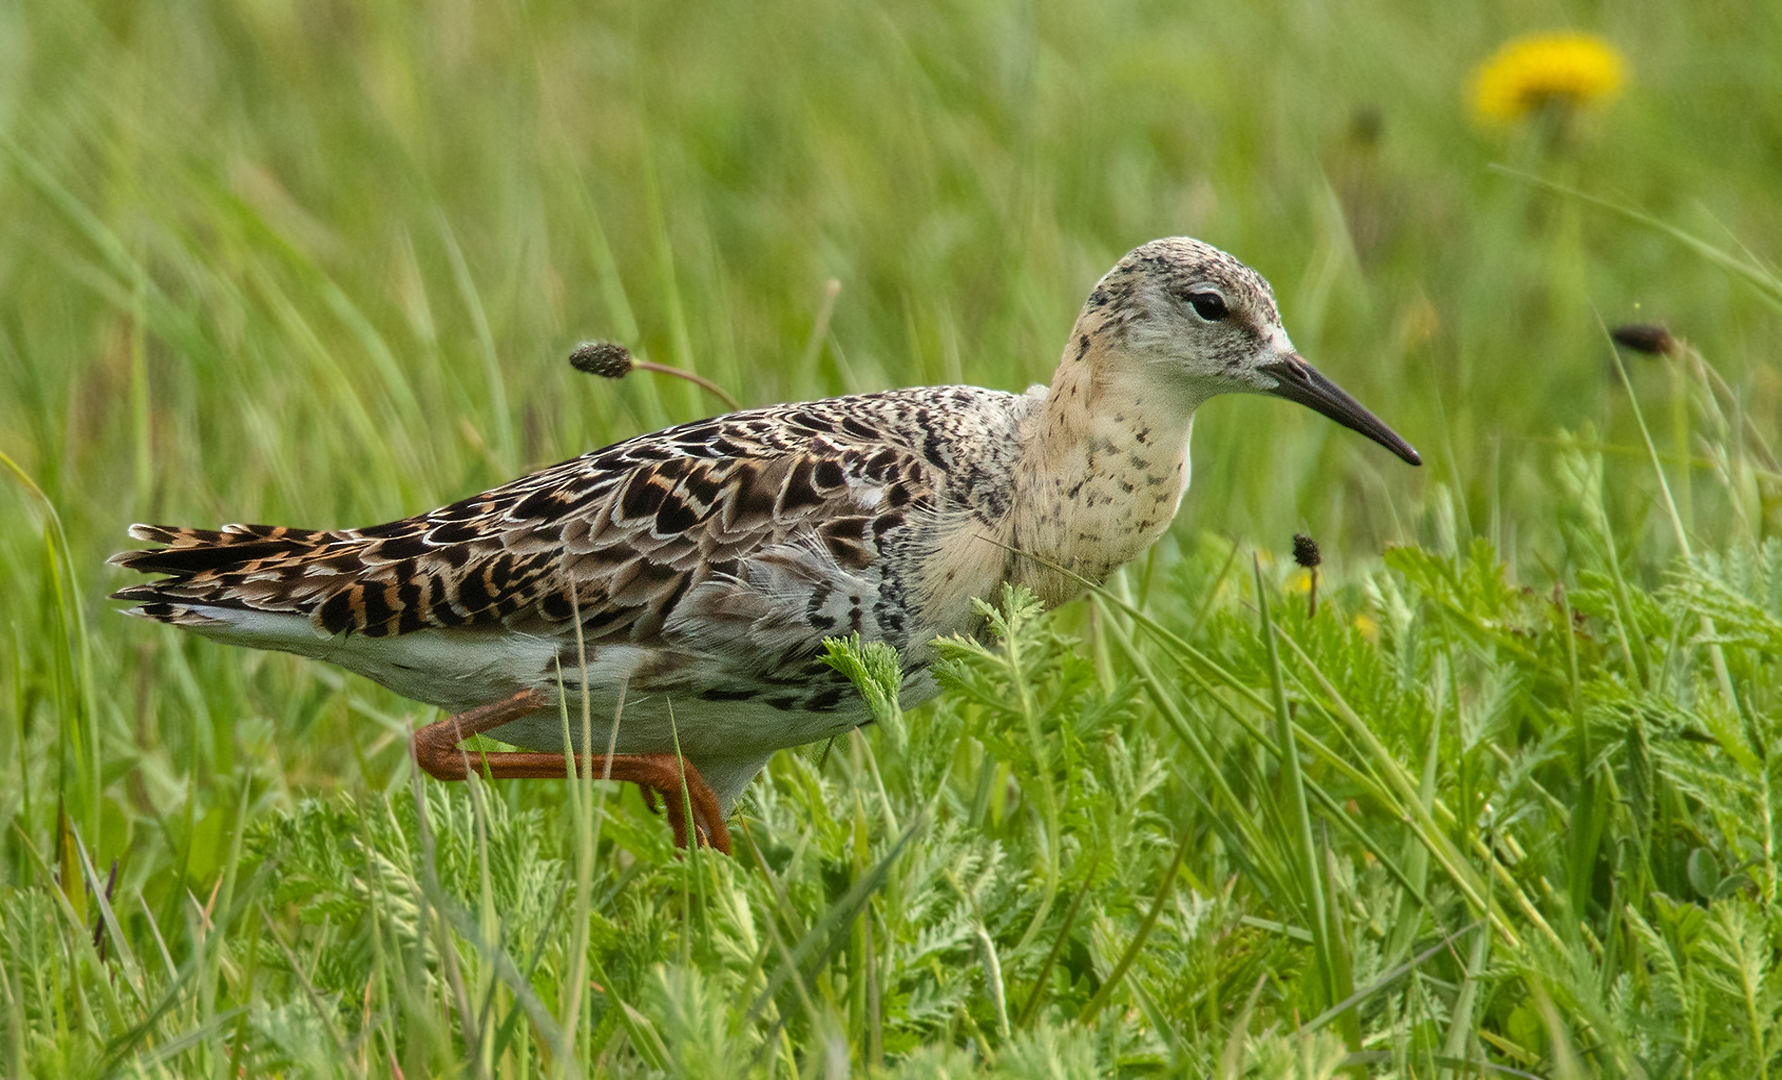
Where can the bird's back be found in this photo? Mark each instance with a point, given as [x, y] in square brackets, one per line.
[703, 564]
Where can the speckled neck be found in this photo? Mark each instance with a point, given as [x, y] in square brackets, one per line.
[1103, 467]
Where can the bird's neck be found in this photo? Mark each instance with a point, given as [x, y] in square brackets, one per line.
[1103, 468]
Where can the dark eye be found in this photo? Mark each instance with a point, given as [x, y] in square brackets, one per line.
[1208, 305]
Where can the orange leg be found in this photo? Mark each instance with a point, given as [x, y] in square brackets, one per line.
[438, 753]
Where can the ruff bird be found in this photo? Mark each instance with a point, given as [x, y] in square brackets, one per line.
[682, 582]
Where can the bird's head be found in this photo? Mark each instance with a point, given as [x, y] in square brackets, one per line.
[1204, 323]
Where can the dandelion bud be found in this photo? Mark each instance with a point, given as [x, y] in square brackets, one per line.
[1305, 551]
[1653, 339]
[607, 359]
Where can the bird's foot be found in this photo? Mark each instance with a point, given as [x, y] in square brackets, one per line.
[438, 751]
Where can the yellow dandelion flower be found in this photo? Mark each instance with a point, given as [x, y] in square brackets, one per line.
[1541, 71]
[1369, 629]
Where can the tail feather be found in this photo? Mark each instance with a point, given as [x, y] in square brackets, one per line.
[211, 569]
[196, 551]
[176, 614]
[382, 581]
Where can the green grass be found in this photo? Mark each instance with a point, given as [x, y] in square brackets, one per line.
[321, 265]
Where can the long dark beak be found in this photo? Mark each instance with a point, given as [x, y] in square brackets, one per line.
[1299, 381]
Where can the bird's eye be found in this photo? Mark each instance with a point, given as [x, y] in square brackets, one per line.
[1208, 306]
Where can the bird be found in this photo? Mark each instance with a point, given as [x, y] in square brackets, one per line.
[679, 585]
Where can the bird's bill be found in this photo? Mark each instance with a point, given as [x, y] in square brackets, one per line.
[1299, 381]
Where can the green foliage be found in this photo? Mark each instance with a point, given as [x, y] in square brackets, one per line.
[1584, 866]
[1507, 801]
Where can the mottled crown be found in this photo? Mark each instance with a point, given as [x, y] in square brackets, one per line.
[1176, 265]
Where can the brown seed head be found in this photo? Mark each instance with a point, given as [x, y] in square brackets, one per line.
[1305, 551]
[607, 359]
[1653, 339]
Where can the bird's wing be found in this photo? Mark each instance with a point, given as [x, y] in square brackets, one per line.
[755, 532]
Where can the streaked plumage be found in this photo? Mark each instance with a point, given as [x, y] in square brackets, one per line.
[706, 562]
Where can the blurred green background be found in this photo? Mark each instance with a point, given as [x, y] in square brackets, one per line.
[321, 263]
